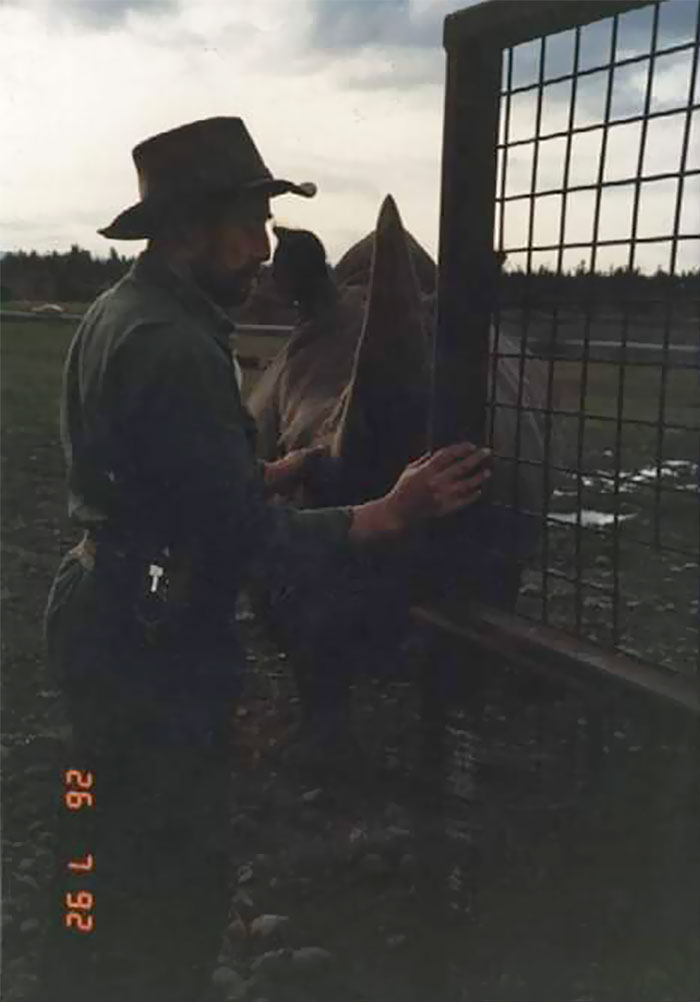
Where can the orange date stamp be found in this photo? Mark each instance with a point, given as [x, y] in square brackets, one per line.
[80, 904]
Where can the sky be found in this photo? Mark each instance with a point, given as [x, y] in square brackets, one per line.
[346, 93]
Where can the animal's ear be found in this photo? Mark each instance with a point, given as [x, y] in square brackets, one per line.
[390, 377]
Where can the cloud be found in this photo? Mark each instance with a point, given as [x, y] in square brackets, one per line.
[371, 45]
[392, 68]
[358, 110]
[353, 24]
[676, 25]
[349, 24]
[63, 178]
[98, 14]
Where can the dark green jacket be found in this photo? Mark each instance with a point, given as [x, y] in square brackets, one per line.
[159, 446]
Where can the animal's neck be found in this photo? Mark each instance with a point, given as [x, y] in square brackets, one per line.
[324, 295]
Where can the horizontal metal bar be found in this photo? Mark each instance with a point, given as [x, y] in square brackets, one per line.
[577, 74]
[642, 422]
[594, 311]
[630, 361]
[605, 529]
[573, 661]
[579, 582]
[608, 532]
[24, 315]
[264, 330]
[583, 583]
[613, 531]
[257, 330]
[651, 485]
[595, 126]
[506, 23]
[594, 186]
[602, 243]
[584, 473]
[578, 475]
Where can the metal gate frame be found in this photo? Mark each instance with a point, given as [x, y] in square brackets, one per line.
[474, 40]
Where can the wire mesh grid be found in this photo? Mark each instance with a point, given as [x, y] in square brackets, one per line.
[598, 223]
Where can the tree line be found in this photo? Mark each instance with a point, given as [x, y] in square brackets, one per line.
[78, 276]
[71, 276]
[627, 290]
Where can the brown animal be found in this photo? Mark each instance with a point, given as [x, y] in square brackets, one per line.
[355, 376]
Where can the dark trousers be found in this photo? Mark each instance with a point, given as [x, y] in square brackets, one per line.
[152, 727]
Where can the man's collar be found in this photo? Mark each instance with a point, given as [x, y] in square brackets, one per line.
[152, 267]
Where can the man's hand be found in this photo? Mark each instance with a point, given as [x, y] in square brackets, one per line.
[437, 485]
[283, 476]
[430, 487]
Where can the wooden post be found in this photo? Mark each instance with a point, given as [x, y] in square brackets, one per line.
[466, 261]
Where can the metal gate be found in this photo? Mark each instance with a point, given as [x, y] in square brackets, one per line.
[572, 146]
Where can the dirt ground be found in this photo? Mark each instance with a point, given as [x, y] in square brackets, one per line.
[509, 888]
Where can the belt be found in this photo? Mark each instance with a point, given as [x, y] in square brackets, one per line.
[85, 552]
[157, 601]
[87, 549]
[178, 578]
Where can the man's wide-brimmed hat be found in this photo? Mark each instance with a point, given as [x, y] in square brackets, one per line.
[214, 157]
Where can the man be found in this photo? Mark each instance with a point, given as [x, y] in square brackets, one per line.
[162, 476]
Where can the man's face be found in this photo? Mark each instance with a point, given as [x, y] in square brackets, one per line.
[233, 251]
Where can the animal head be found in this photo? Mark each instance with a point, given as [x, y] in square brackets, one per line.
[380, 422]
[355, 265]
[299, 266]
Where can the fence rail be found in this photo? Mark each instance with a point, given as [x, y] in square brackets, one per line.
[247, 361]
[257, 330]
[572, 140]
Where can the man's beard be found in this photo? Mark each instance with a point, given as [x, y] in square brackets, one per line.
[226, 289]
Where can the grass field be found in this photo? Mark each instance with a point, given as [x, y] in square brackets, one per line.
[304, 867]
[655, 543]
[35, 529]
